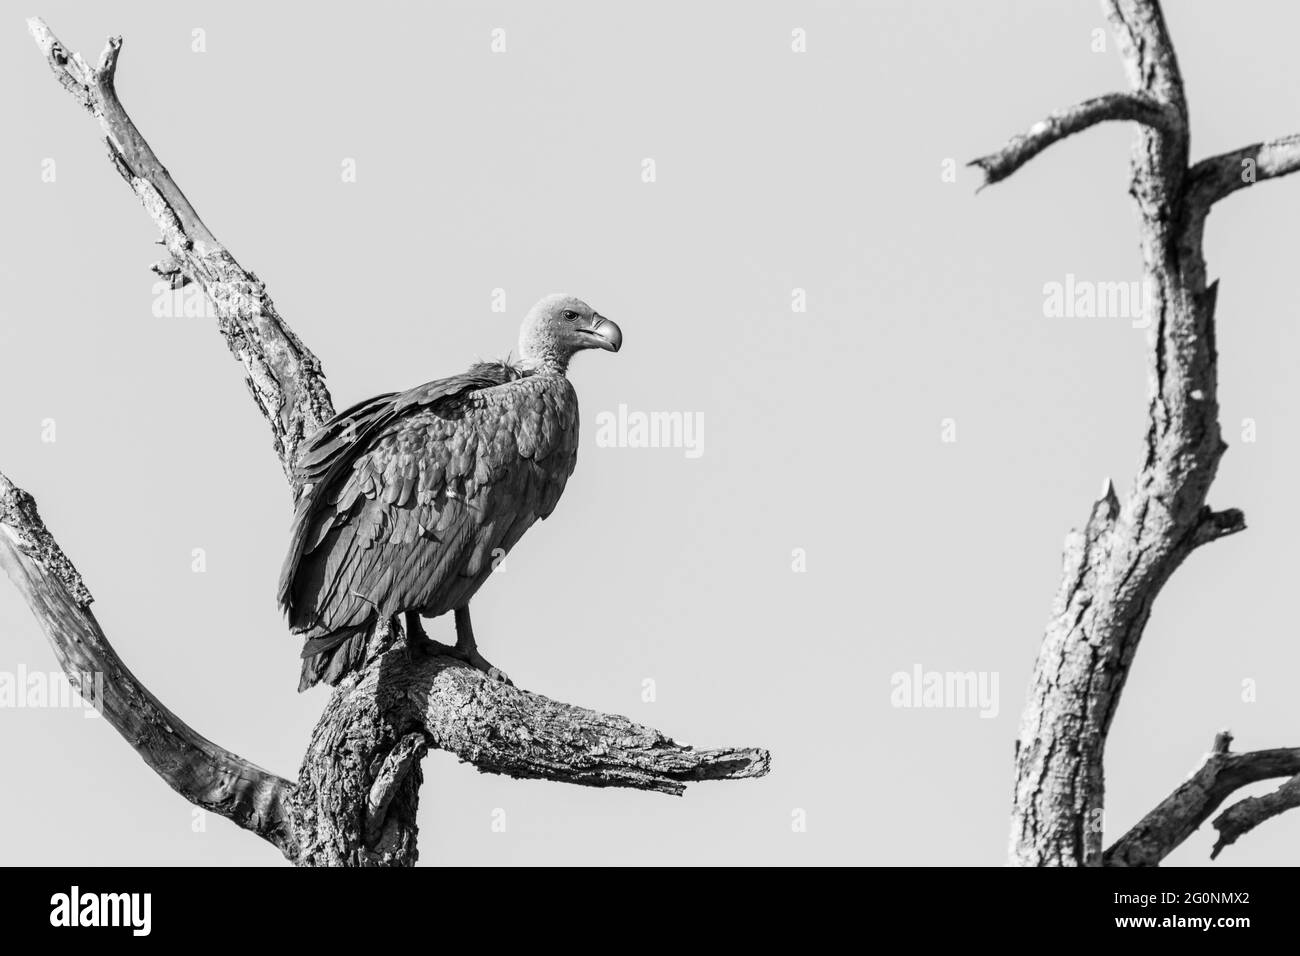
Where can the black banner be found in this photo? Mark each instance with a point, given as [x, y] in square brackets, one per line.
[1148, 906]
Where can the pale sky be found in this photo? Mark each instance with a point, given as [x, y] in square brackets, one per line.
[822, 430]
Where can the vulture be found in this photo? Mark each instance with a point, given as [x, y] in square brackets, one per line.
[410, 499]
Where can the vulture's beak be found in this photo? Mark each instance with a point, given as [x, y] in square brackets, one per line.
[608, 335]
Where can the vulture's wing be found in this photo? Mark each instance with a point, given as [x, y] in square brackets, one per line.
[411, 496]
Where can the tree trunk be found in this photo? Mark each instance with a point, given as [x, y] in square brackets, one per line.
[1116, 566]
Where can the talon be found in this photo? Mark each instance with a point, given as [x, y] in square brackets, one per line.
[427, 647]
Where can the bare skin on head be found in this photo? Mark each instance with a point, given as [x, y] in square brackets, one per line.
[560, 326]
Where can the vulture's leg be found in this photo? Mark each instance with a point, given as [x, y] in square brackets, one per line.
[418, 641]
[414, 629]
[467, 649]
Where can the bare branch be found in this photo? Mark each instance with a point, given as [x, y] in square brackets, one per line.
[502, 729]
[1057, 126]
[283, 376]
[1181, 813]
[1214, 525]
[357, 761]
[193, 766]
[1212, 179]
[1240, 818]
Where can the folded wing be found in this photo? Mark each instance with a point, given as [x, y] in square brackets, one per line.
[412, 496]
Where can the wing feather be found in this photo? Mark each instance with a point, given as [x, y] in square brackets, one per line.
[412, 495]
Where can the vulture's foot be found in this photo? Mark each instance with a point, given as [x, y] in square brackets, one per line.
[427, 647]
[477, 661]
[432, 648]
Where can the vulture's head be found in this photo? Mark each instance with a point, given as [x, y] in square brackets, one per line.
[560, 326]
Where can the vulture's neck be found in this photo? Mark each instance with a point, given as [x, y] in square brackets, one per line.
[545, 362]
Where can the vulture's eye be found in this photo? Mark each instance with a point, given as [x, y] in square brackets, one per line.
[570, 314]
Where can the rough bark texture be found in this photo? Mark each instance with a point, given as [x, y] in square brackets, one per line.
[1240, 818]
[357, 793]
[1116, 566]
[1181, 813]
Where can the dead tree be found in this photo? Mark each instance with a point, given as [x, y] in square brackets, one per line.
[1117, 564]
[354, 803]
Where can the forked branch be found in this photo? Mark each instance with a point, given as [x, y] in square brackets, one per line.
[1183, 812]
[1117, 565]
[354, 802]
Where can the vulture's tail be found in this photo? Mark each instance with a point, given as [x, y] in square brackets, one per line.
[330, 657]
